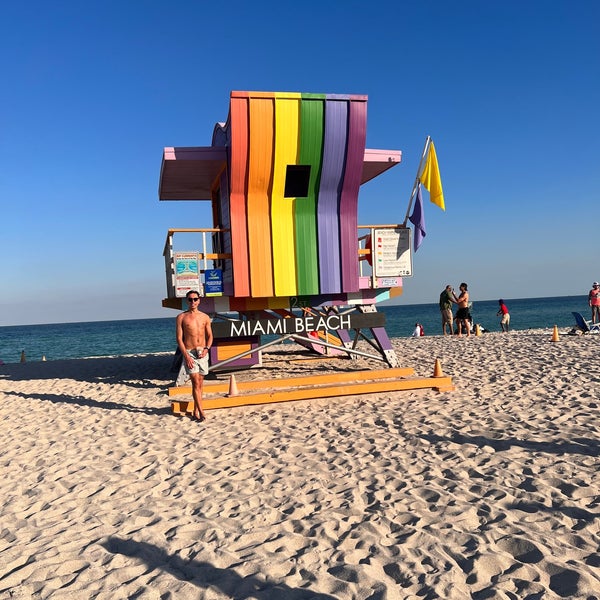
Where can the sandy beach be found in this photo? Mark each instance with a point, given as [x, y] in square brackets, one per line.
[489, 491]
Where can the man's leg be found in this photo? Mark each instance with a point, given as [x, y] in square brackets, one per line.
[197, 380]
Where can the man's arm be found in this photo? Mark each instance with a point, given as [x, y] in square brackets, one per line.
[179, 332]
[209, 333]
[180, 341]
[208, 336]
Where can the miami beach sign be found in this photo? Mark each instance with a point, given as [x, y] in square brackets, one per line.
[297, 325]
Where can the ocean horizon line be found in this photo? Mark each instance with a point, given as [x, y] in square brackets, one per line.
[383, 304]
[505, 298]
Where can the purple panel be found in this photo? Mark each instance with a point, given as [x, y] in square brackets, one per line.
[380, 334]
[357, 132]
[328, 217]
[224, 222]
[344, 336]
[205, 305]
[246, 361]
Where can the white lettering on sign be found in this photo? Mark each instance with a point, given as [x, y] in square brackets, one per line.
[284, 326]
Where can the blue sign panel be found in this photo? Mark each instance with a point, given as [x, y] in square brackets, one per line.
[213, 282]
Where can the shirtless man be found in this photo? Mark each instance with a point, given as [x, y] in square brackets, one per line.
[594, 302]
[462, 314]
[194, 338]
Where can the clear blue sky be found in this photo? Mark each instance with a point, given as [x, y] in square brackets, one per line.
[93, 91]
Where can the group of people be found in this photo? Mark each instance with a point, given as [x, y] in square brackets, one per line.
[463, 316]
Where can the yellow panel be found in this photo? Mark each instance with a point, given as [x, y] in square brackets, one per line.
[260, 167]
[227, 350]
[211, 387]
[282, 209]
[283, 302]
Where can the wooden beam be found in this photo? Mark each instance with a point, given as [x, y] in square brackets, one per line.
[309, 380]
[311, 387]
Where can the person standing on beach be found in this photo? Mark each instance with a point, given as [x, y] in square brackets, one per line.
[505, 320]
[594, 302]
[447, 298]
[463, 316]
[194, 339]
[419, 331]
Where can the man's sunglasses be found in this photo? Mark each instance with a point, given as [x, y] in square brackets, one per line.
[193, 299]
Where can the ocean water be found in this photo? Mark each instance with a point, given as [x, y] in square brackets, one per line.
[141, 336]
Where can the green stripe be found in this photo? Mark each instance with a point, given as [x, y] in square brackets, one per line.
[311, 153]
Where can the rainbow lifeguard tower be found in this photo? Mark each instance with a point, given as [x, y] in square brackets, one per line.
[285, 255]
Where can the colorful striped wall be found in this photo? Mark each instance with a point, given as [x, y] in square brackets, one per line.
[311, 152]
[287, 111]
[285, 245]
[238, 165]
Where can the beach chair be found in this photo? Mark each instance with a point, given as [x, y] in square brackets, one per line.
[586, 326]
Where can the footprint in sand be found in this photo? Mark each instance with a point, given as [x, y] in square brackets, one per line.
[521, 549]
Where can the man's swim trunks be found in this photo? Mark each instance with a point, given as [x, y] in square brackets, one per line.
[200, 364]
[463, 313]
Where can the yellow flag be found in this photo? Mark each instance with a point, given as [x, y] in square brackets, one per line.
[430, 178]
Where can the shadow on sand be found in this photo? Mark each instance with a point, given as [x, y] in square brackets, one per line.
[83, 401]
[203, 574]
[585, 446]
[139, 371]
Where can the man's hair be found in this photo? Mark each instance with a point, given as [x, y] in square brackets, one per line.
[192, 292]
[464, 285]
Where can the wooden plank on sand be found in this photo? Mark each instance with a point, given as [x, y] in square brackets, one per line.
[312, 387]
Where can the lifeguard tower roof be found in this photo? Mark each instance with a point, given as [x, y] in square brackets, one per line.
[190, 173]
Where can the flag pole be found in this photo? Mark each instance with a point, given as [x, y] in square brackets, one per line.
[416, 183]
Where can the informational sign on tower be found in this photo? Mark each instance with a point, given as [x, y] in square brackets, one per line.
[392, 256]
[187, 276]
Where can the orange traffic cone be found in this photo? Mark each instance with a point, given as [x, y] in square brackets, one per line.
[233, 388]
[437, 369]
[23, 359]
[555, 337]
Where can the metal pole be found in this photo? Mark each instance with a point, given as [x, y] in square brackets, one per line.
[295, 337]
[344, 349]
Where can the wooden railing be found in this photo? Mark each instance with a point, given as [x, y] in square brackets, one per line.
[206, 253]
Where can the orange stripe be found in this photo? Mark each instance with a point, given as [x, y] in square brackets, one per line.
[237, 204]
[259, 189]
